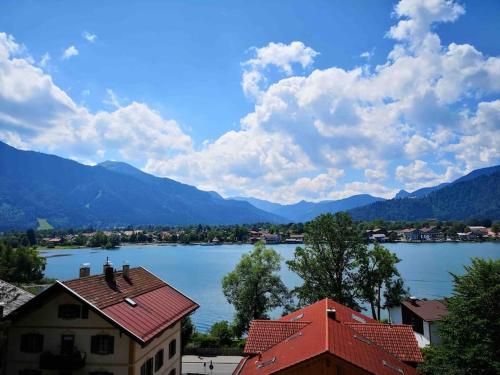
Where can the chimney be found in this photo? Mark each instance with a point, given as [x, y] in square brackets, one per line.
[85, 270]
[126, 269]
[108, 271]
[413, 300]
[332, 313]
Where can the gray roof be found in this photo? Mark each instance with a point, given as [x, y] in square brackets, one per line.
[12, 297]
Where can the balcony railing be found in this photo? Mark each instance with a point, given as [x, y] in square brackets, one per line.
[73, 361]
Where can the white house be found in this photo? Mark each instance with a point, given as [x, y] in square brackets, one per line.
[124, 322]
[423, 316]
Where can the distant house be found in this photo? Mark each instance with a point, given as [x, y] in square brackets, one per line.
[410, 234]
[431, 234]
[422, 315]
[377, 235]
[329, 338]
[295, 238]
[467, 236]
[119, 322]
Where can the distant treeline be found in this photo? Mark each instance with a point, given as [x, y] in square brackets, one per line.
[207, 233]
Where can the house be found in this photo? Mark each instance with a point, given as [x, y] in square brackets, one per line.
[479, 230]
[295, 239]
[328, 338]
[468, 236]
[422, 315]
[431, 234]
[410, 234]
[120, 322]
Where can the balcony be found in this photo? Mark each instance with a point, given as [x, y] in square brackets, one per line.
[73, 361]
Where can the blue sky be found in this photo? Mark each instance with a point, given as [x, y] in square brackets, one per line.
[283, 101]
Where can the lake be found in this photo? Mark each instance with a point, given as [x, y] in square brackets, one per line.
[198, 270]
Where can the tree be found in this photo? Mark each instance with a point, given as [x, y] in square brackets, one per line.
[327, 263]
[378, 275]
[30, 234]
[470, 333]
[254, 286]
[21, 265]
[188, 330]
[223, 332]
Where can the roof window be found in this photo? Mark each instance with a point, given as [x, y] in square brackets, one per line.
[131, 302]
[393, 367]
[358, 319]
[266, 363]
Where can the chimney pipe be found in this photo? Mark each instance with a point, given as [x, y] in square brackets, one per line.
[85, 270]
[332, 313]
[126, 269]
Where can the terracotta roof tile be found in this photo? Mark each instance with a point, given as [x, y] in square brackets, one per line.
[397, 339]
[264, 334]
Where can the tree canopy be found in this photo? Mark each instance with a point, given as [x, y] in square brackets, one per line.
[21, 265]
[470, 333]
[254, 287]
[328, 262]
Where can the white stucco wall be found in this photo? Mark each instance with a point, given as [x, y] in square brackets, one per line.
[396, 315]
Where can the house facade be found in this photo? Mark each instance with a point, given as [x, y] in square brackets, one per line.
[423, 316]
[329, 338]
[124, 322]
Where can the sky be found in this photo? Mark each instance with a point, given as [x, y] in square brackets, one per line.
[284, 101]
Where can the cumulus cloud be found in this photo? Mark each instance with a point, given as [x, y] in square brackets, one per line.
[428, 114]
[36, 113]
[70, 52]
[89, 37]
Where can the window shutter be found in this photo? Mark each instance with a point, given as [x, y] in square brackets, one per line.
[111, 344]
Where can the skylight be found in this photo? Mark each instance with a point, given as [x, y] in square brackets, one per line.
[266, 363]
[358, 319]
[294, 336]
[393, 367]
[364, 339]
[131, 302]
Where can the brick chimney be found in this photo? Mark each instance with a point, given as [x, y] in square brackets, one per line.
[85, 270]
[108, 271]
[126, 269]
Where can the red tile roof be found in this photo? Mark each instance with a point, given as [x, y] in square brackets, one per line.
[157, 305]
[324, 335]
[428, 310]
[264, 334]
[397, 339]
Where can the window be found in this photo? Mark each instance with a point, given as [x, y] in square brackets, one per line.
[147, 367]
[159, 359]
[85, 312]
[31, 343]
[102, 344]
[69, 311]
[172, 372]
[172, 348]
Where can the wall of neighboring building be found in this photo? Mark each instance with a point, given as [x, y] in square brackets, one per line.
[427, 330]
[142, 354]
[435, 338]
[45, 321]
[326, 364]
[395, 315]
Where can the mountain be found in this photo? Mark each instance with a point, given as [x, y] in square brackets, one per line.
[305, 211]
[68, 194]
[474, 196]
[420, 192]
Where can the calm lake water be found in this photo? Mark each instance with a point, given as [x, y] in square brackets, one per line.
[198, 270]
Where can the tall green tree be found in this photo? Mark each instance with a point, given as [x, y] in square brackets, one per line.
[470, 333]
[328, 262]
[254, 287]
[378, 277]
[21, 265]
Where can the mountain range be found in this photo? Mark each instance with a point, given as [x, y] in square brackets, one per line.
[36, 186]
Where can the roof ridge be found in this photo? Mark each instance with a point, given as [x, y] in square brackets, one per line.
[281, 321]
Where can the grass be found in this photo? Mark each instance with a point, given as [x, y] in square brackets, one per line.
[43, 224]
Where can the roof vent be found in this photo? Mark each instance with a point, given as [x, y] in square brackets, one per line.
[266, 363]
[131, 302]
[332, 313]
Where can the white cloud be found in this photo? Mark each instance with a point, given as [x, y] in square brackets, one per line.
[425, 116]
[279, 55]
[44, 61]
[70, 52]
[89, 37]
